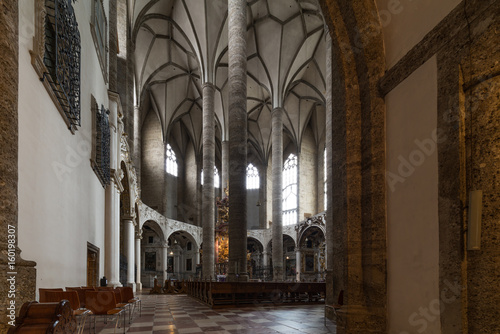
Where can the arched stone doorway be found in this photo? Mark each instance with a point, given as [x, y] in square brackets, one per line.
[153, 246]
[311, 251]
[183, 256]
[289, 260]
[255, 261]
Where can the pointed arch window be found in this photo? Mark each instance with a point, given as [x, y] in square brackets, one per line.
[216, 177]
[290, 197]
[171, 161]
[253, 180]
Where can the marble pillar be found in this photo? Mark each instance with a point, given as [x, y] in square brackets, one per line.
[165, 264]
[112, 197]
[129, 250]
[237, 140]
[208, 195]
[138, 238]
[277, 192]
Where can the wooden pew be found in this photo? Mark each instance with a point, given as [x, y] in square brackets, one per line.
[276, 293]
[35, 318]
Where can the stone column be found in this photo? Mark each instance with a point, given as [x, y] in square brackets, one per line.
[137, 146]
[138, 238]
[237, 140]
[331, 295]
[129, 250]
[112, 197]
[112, 231]
[277, 167]
[164, 202]
[208, 198]
[297, 263]
[26, 273]
[225, 166]
[165, 263]
[263, 198]
[265, 259]
[112, 45]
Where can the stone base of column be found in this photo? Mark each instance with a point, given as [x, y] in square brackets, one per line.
[115, 284]
[138, 286]
[358, 319]
[132, 285]
[25, 288]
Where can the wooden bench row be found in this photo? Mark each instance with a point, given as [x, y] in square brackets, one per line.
[44, 318]
[240, 293]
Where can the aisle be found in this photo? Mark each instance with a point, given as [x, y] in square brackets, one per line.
[172, 314]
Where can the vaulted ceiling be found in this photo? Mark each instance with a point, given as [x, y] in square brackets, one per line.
[182, 44]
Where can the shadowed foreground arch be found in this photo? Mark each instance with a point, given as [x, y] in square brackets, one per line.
[355, 141]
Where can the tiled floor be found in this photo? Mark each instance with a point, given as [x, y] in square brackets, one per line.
[180, 314]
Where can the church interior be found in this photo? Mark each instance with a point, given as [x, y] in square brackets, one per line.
[354, 144]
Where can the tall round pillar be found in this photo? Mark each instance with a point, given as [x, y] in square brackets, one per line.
[112, 232]
[129, 249]
[297, 263]
[225, 166]
[208, 196]
[277, 177]
[237, 140]
[138, 238]
[165, 263]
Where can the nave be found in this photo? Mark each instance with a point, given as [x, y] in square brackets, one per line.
[180, 314]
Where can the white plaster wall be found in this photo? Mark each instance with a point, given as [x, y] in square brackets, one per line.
[412, 199]
[406, 22]
[61, 201]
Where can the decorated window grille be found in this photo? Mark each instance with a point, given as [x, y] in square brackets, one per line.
[171, 161]
[253, 180]
[61, 57]
[290, 197]
[101, 149]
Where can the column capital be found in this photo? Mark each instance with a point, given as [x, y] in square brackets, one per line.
[129, 219]
[116, 176]
[208, 85]
[276, 109]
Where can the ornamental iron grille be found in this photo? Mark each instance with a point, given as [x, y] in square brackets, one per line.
[62, 56]
[102, 145]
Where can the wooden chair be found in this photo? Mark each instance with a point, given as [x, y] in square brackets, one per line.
[80, 314]
[128, 297]
[103, 303]
[41, 291]
[81, 293]
[35, 317]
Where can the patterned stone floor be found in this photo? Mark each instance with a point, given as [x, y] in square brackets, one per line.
[180, 314]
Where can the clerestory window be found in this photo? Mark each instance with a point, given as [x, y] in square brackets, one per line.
[253, 180]
[170, 161]
[216, 177]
